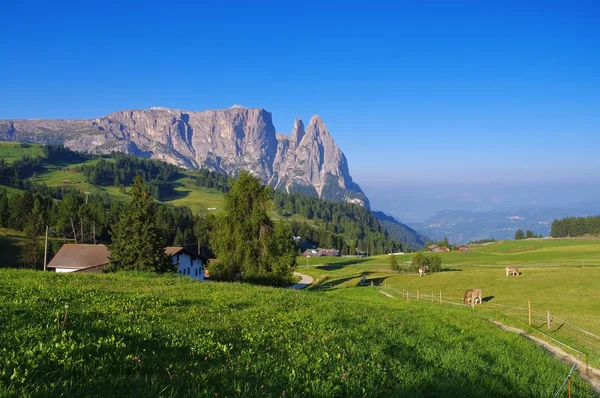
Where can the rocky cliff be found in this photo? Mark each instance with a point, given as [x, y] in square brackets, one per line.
[226, 140]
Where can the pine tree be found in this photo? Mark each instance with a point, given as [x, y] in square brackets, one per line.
[32, 251]
[245, 241]
[137, 243]
[519, 234]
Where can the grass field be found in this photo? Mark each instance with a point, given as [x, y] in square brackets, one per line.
[11, 151]
[146, 335]
[569, 292]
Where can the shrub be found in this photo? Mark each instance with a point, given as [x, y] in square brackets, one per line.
[394, 263]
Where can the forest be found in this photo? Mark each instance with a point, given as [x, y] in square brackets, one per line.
[71, 215]
[575, 226]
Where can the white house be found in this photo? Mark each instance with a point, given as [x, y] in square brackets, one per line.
[93, 258]
[188, 264]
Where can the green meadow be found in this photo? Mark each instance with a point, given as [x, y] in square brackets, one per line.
[552, 279]
[150, 335]
[11, 151]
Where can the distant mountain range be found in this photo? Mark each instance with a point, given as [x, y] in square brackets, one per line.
[225, 140]
[461, 226]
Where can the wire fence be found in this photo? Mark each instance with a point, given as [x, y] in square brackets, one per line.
[583, 344]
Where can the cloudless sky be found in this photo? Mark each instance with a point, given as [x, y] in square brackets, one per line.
[473, 91]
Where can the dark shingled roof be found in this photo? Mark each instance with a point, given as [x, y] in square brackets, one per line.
[80, 257]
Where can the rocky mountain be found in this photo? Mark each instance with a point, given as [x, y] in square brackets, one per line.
[226, 140]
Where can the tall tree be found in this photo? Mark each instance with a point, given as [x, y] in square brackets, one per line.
[519, 234]
[137, 243]
[246, 243]
[32, 250]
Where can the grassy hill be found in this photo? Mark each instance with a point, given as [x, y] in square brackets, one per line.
[148, 335]
[552, 280]
[11, 151]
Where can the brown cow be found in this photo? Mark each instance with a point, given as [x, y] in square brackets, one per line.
[472, 295]
[513, 271]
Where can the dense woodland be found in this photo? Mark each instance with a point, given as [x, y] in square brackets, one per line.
[122, 169]
[70, 215]
[575, 226]
[343, 226]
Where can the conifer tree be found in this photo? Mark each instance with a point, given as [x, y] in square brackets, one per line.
[246, 243]
[137, 243]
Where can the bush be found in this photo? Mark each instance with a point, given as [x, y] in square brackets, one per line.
[394, 263]
[420, 260]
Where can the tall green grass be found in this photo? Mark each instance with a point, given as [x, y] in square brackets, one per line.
[146, 335]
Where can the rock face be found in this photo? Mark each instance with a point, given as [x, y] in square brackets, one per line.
[226, 140]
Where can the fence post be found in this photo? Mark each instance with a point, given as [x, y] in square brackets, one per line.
[529, 307]
[548, 320]
[440, 297]
[569, 386]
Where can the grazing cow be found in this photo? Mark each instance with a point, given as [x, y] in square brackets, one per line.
[422, 270]
[472, 295]
[513, 271]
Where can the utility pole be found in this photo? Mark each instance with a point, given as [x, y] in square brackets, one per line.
[74, 234]
[46, 249]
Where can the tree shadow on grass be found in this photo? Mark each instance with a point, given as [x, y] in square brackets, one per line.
[340, 265]
[451, 270]
[174, 194]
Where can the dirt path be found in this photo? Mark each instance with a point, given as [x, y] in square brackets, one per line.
[589, 374]
[304, 282]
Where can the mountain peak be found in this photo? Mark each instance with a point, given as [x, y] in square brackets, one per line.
[223, 140]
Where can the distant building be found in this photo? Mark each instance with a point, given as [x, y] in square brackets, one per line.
[93, 258]
[321, 252]
[463, 248]
[437, 249]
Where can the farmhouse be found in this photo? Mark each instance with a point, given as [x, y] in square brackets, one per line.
[80, 258]
[436, 248]
[463, 248]
[93, 258]
[321, 252]
[189, 264]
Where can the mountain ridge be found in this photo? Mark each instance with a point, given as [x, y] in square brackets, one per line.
[224, 140]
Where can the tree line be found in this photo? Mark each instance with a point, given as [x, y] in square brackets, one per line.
[575, 226]
[122, 169]
[519, 234]
[337, 225]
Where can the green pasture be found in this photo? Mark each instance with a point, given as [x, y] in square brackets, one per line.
[151, 335]
[11, 151]
[569, 291]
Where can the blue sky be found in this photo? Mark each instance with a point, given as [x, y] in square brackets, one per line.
[415, 91]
